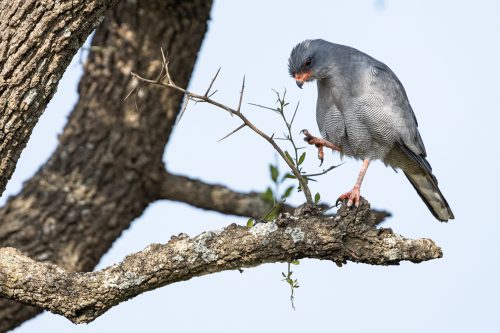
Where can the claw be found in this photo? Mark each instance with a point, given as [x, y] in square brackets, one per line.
[307, 136]
[321, 155]
[352, 197]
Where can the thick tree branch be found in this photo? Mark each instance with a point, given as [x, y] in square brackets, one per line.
[37, 42]
[214, 197]
[221, 199]
[82, 297]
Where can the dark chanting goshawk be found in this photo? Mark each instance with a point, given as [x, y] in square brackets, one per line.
[363, 112]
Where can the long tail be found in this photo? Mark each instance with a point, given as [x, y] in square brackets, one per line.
[419, 173]
[427, 188]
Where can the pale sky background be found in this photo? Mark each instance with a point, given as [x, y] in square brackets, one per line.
[446, 54]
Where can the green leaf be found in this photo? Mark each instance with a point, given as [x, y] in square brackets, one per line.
[317, 198]
[268, 196]
[250, 223]
[288, 157]
[295, 262]
[273, 214]
[274, 172]
[302, 158]
[283, 178]
[291, 176]
[287, 192]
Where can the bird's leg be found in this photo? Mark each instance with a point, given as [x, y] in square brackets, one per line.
[319, 143]
[353, 195]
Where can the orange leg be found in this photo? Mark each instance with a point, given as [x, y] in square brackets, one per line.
[353, 196]
[319, 143]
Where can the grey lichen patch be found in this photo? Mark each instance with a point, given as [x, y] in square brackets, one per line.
[263, 229]
[178, 258]
[42, 65]
[395, 240]
[389, 241]
[29, 96]
[296, 233]
[200, 247]
[181, 245]
[129, 279]
[66, 33]
[396, 251]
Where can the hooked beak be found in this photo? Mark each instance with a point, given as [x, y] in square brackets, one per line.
[301, 78]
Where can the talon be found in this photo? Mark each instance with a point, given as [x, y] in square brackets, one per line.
[309, 138]
[321, 155]
[352, 196]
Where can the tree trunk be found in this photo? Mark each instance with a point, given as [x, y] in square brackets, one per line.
[102, 175]
[37, 42]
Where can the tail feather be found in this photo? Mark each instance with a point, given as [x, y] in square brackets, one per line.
[419, 172]
[428, 190]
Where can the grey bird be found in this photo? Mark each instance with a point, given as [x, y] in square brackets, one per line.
[363, 112]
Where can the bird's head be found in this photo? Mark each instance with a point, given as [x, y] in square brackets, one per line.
[306, 61]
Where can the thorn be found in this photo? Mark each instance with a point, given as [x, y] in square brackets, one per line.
[184, 106]
[212, 82]
[135, 99]
[264, 107]
[236, 130]
[165, 65]
[215, 91]
[130, 93]
[294, 113]
[159, 78]
[241, 95]
[163, 55]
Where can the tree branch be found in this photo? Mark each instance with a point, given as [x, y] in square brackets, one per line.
[221, 199]
[82, 297]
[214, 197]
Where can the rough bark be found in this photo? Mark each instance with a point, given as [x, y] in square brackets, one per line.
[38, 39]
[102, 175]
[82, 297]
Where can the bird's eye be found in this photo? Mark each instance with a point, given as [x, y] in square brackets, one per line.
[307, 63]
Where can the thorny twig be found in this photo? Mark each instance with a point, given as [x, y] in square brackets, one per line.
[289, 137]
[166, 81]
